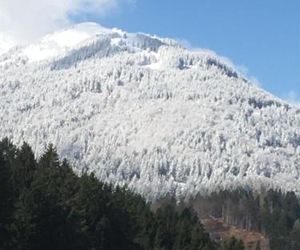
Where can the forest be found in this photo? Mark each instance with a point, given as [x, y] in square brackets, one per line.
[45, 205]
[270, 212]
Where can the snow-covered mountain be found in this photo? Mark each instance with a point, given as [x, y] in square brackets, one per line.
[146, 112]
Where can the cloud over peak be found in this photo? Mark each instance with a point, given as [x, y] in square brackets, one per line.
[30, 19]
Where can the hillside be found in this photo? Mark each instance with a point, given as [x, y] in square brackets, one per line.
[144, 111]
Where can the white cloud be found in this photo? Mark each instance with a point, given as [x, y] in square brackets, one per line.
[29, 19]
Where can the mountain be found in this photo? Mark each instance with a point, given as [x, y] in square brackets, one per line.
[146, 112]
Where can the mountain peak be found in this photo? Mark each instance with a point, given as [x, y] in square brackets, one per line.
[62, 42]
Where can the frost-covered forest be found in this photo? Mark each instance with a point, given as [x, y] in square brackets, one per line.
[144, 111]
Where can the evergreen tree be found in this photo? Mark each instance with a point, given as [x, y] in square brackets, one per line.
[24, 167]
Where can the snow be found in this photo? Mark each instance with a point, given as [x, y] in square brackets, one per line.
[144, 111]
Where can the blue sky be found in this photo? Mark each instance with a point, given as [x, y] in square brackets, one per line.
[260, 36]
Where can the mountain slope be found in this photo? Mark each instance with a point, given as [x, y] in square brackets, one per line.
[144, 111]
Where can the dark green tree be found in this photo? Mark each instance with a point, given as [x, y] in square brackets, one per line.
[24, 168]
